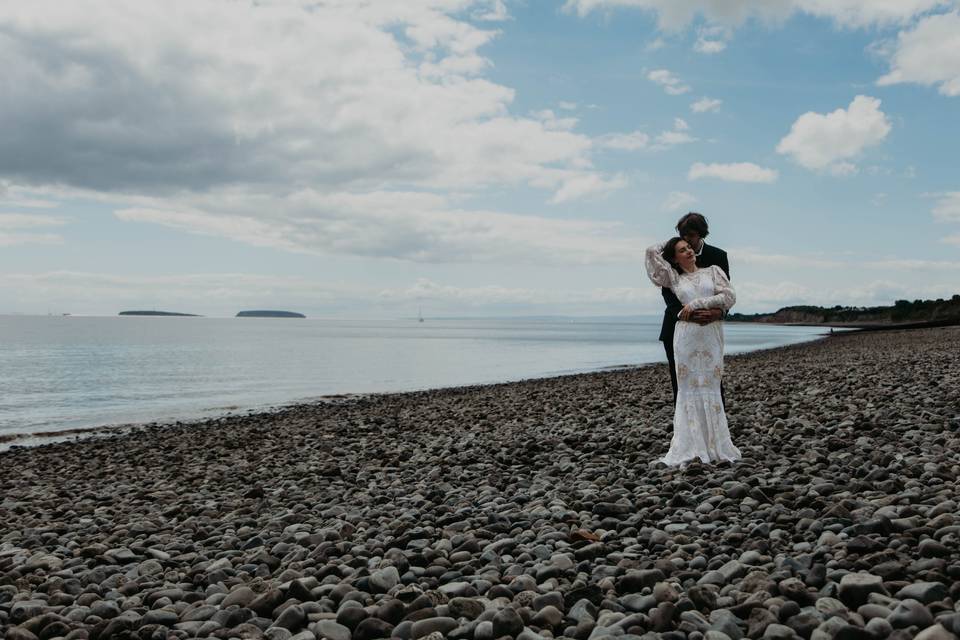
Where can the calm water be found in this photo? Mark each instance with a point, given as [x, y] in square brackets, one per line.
[59, 373]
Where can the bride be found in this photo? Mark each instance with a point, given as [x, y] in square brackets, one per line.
[699, 422]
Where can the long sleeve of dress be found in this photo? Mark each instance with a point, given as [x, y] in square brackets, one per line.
[724, 298]
[659, 270]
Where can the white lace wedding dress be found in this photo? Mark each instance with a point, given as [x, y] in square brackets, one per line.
[699, 421]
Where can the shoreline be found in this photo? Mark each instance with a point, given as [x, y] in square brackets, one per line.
[73, 434]
[862, 326]
[528, 509]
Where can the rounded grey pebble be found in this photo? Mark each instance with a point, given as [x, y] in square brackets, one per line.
[909, 613]
[779, 632]
[507, 622]
[423, 628]
[330, 630]
[879, 628]
[483, 631]
[277, 633]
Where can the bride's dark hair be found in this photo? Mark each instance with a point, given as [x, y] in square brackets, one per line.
[668, 252]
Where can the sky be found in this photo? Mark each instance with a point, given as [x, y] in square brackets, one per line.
[372, 158]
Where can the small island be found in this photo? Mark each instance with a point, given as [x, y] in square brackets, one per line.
[158, 313]
[270, 314]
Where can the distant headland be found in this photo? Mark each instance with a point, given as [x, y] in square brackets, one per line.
[902, 314]
[157, 313]
[260, 313]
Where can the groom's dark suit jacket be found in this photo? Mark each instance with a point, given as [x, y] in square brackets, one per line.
[708, 257]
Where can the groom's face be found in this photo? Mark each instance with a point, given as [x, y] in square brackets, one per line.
[693, 239]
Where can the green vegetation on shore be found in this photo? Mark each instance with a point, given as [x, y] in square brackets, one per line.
[902, 311]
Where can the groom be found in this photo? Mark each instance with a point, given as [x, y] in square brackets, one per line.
[692, 228]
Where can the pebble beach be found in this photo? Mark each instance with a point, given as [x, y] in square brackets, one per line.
[525, 510]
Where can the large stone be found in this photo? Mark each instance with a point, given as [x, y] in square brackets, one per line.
[909, 613]
[467, 608]
[292, 618]
[925, 592]
[439, 624]
[936, 632]
[372, 628]
[507, 622]
[778, 632]
[385, 579]
[855, 588]
[549, 616]
[330, 630]
[637, 580]
[162, 617]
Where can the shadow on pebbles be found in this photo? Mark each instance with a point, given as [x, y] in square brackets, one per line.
[525, 510]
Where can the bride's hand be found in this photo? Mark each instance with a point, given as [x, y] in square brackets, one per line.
[686, 312]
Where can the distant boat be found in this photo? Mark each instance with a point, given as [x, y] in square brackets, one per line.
[419, 314]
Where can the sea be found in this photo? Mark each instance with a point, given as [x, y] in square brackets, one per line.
[63, 373]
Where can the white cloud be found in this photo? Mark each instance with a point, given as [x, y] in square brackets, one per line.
[669, 139]
[765, 297]
[841, 169]
[709, 46]
[553, 123]
[705, 104]
[340, 95]
[656, 44]
[633, 141]
[411, 226]
[16, 229]
[732, 172]
[670, 82]
[824, 141]
[15, 196]
[589, 184]
[225, 293]
[913, 264]
[638, 140]
[757, 257]
[494, 11]
[711, 39]
[673, 15]
[679, 201]
[928, 54]
[426, 289]
[947, 208]
[10, 221]
[14, 239]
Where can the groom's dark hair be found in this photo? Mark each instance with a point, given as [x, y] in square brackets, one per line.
[693, 221]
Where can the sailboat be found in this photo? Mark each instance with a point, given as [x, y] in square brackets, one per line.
[420, 314]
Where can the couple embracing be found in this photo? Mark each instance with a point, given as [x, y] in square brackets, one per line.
[695, 282]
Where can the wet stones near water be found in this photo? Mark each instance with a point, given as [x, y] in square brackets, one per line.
[529, 510]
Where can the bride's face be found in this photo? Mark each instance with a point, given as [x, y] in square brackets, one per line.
[684, 255]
